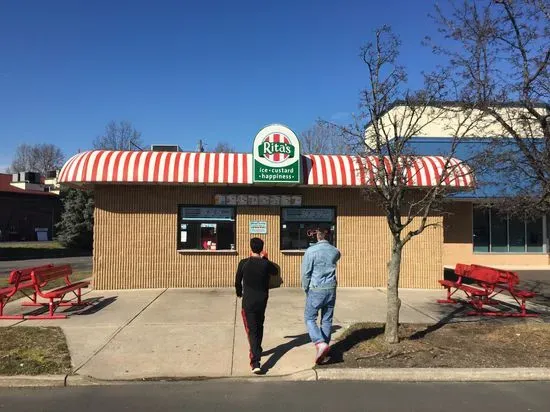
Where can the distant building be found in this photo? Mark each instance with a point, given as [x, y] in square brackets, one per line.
[474, 234]
[29, 209]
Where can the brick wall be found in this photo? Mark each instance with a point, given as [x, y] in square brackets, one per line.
[136, 232]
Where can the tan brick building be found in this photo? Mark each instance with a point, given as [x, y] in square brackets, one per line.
[173, 219]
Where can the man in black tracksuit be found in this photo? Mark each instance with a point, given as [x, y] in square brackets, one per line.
[252, 284]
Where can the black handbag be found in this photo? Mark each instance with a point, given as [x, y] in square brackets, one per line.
[275, 279]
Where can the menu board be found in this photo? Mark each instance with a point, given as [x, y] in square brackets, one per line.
[274, 200]
[304, 214]
[207, 213]
[231, 200]
[258, 200]
[296, 201]
[263, 200]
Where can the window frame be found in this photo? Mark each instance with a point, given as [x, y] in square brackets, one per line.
[545, 239]
[335, 233]
[179, 247]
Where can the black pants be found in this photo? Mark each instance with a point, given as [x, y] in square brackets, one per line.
[254, 326]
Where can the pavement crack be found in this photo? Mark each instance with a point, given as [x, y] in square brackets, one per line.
[234, 337]
[110, 339]
[419, 311]
[410, 306]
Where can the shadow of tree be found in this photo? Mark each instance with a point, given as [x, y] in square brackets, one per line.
[279, 351]
[336, 354]
[436, 326]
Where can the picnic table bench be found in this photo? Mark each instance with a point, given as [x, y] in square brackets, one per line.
[18, 281]
[36, 280]
[485, 284]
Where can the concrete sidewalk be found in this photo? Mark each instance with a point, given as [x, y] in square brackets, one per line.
[135, 334]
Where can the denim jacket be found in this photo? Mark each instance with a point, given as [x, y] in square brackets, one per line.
[319, 266]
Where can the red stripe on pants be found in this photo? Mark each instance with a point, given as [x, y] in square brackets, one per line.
[247, 330]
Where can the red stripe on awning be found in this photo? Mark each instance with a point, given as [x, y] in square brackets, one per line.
[318, 170]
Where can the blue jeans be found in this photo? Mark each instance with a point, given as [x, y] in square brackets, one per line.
[320, 300]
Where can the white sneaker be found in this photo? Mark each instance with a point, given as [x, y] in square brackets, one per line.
[256, 369]
[322, 352]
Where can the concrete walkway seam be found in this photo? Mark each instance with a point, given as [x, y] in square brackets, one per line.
[409, 306]
[234, 337]
[109, 340]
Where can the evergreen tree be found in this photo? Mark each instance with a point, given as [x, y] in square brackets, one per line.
[77, 220]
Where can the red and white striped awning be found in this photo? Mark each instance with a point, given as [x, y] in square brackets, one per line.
[418, 171]
[105, 166]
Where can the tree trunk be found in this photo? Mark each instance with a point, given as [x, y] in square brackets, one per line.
[394, 303]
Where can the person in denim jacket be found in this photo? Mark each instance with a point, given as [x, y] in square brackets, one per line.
[319, 284]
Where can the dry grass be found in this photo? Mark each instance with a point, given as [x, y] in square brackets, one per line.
[487, 344]
[31, 245]
[37, 250]
[33, 351]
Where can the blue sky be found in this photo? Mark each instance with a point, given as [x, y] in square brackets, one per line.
[187, 70]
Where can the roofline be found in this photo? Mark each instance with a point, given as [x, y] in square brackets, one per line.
[458, 103]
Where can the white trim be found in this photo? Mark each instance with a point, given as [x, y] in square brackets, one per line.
[213, 252]
[293, 251]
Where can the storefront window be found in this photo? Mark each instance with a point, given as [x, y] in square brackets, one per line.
[481, 230]
[534, 235]
[298, 226]
[206, 228]
[498, 233]
[517, 235]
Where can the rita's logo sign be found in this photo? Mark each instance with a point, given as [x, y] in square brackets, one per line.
[277, 148]
[276, 155]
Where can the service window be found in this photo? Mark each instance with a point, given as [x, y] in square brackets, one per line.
[298, 226]
[206, 228]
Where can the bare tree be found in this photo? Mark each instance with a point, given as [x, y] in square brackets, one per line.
[386, 141]
[500, 50]
[224, 147]
[119, 136]
[324, 138]
[40, 158]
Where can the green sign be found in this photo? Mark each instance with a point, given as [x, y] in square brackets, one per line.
[276, 156]
[257, 227]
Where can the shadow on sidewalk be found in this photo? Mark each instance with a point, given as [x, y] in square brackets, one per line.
[96, 304]
[279, 351]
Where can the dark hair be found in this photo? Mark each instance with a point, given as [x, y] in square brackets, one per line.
[256, 244]
[323, 227]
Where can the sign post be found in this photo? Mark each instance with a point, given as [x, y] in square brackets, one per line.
[276, 156]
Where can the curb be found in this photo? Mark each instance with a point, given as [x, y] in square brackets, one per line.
[435, 374]
[26, 381]
[82, 380]
[312, 375]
